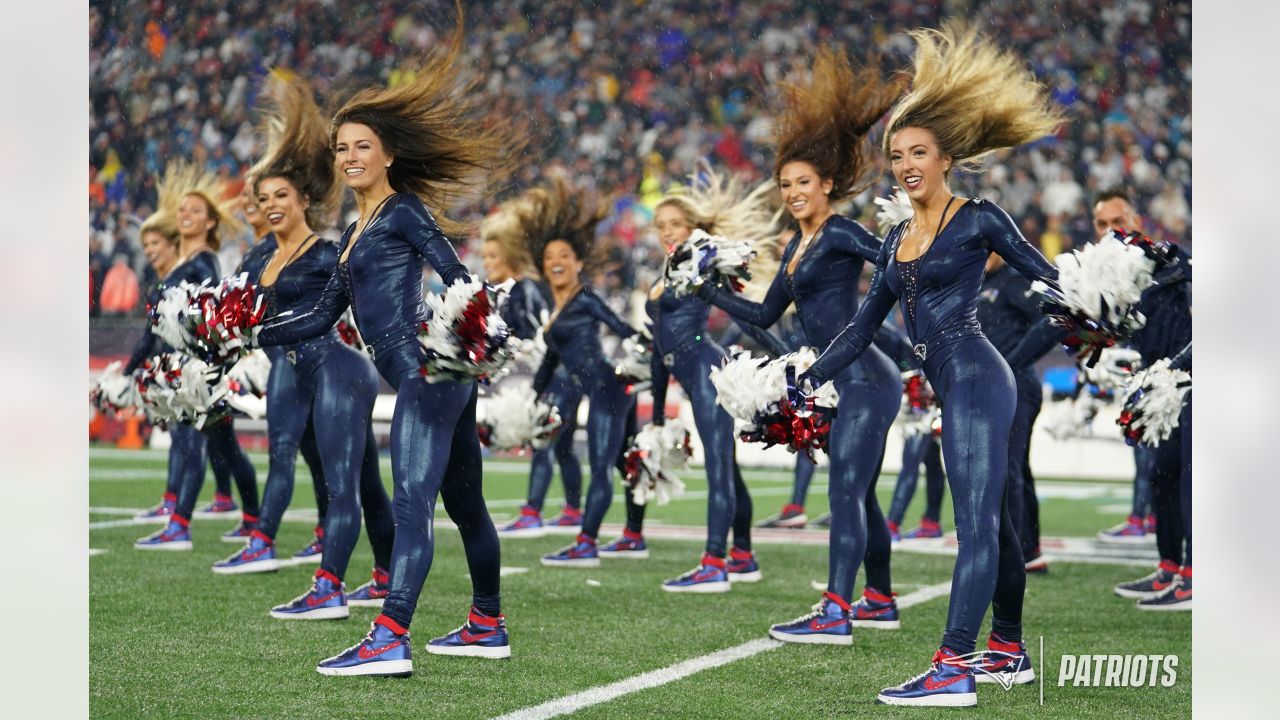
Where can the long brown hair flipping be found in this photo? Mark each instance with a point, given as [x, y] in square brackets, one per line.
[973, 96]
[436, 132]
[559, 211]
[298, 149]
[826, 119]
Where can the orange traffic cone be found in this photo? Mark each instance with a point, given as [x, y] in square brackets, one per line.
[96, 426]
[131, 439]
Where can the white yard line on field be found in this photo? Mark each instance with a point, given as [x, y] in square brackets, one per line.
[672, 673]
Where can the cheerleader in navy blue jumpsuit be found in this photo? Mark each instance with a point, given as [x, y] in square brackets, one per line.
[933, 265]
[392, 152]
[505, 256]
[198, 218]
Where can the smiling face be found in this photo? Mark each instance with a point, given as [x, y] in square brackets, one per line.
[496, 268]
[361, 160]
[195, 217]
[1115, 214]
[804, 191]
[560, 265]
[672, 224]
[249, 205]
[918, 164]
[160, 252]
[283, 206]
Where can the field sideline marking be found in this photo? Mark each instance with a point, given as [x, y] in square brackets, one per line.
[655, 678]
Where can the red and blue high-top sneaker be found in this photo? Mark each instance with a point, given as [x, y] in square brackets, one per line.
[582, 553]
[895, 531]
[791, 516]
[384, 651]
[481, 636]
[1126, 533]
[241, 532]
[175, 536]
[221, 506]
[259, 555]
[928, 529]
[630, 545]
[1006, 663]
[326, 600]
[527, 525]
[1149, 524]
[1036, 563]
[828, 624]
[163, 511]
[372, 593]
[1176, 597]
[875, 610]
[711, 576]
[948, 682]
[313, 552]
[1153, 585]
[742, 566]
[569, 517]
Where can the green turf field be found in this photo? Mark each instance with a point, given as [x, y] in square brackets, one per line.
[168, 638]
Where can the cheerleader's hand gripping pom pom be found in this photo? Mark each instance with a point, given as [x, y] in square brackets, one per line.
[465, 337]
[634, 368]
[515, 419]
[216, 324]
[756, 393]
[709, 260]
[651, 462]
[1154, 404]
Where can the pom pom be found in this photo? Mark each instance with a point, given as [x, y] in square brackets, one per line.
[754, 392]
[894, 210]
[712, 259]
[250, 374]
[656, 453]
[215, 324]
[920, 407]
[465, 337]
[1151, 411]
[114, 392]
[179, 388]
[637, 352]
[1070, 419]
[1114, 367]
[514, 419]
[347, 330]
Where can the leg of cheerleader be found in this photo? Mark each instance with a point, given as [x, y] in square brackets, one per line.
[1024, 417]
[742, 512]
[224, 448]
[1184, 450]
[288, 417]
[311, 456]
[191, 451]
[344, 386]
[1006, 654]
[566, 458]
[978, 399]
[879, 542]
[934, 481]
[631, 543]
[1145, 464]
[1174, 458]
[1165, 499]
[379, 525]
[869, 393]
[913, 447]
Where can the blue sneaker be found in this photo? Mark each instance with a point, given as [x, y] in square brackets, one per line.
[312, 553]
[528, 525]
[828, 624]
[326, 600]
[742, 566]
[372, 593]
[630, 545]
[221, 506]
[384, 651]
[895, 531]
[241, 532]
[569, 517]
[875, 610]
[1005, 663]
[710, 576]
[582, 553]
[163, 511]
[481, 636]
[948, 682]
[1131, 531]
[928, 529]
[175, 536]
[258, 556]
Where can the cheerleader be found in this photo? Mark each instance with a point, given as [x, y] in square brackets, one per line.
[198, 218]
[399, 149]
[559, 223]
[968, 99]
[820, 160]
[335, 386]
[506, 257]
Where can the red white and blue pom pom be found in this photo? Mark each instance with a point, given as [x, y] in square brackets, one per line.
[634, 368]
[513, 418]
[465, 337]
[115, 392]
[179, 388]
[1098, 290]
[894, 210]
[1070, 418]
[347, 330]
[755, 392]
[247, 384]
[653, 459]
[1154, 404]
[712, 259]
[215, 324]
[920, 408]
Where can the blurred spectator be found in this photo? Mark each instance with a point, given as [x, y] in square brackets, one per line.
[120, 292]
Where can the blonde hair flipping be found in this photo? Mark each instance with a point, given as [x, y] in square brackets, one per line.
[973, 96]
[826, 120]
[503, 227]
[182, 178]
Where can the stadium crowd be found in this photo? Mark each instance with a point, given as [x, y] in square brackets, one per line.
[625, 96]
